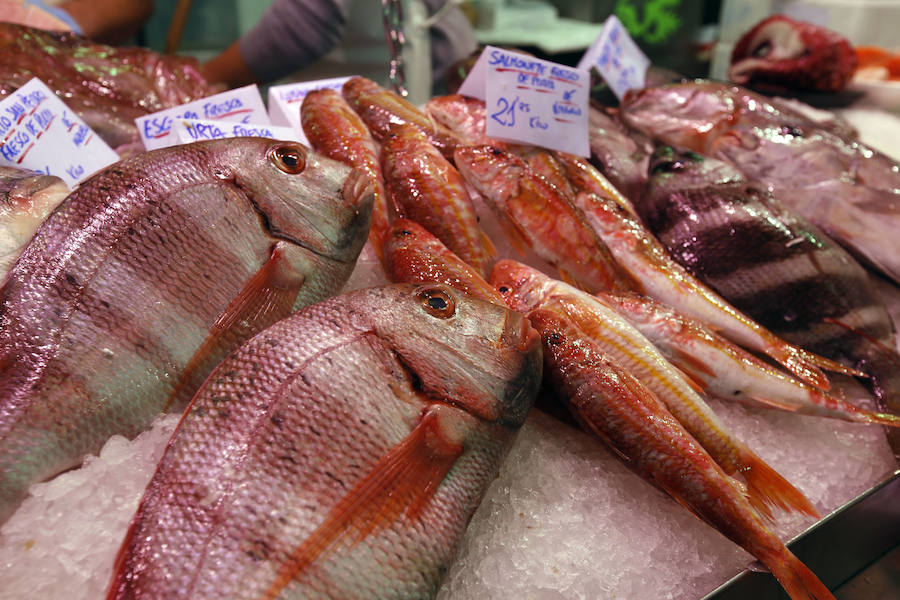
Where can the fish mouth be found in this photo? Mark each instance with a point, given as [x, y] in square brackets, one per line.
[519, 334]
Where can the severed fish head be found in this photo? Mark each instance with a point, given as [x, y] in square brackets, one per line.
[304, 197]
[473, 354]
[780, 54]
[691, 115]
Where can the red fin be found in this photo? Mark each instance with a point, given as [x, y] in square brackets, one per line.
[513, 235]
[266, 297]
[808, 366]
[765, 487]
[119, 583]
[400, 485]
[797, 580]
[695, 371]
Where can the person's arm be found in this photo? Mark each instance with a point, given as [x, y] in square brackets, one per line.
[109, 21]
[290, 35]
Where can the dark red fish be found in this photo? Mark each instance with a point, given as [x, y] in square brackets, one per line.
[107, 86]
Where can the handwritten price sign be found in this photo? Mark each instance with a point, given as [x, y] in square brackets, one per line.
[39, 132]
[241, 105]
[532, 101]
[617, 58]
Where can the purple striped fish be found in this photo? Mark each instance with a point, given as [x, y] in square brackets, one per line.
[772, 264]
[149, 274]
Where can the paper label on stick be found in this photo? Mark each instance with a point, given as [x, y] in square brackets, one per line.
[532, 101]
[193, 130]
[39, 132]
[285, 101]
[617, 58]
[243, 105]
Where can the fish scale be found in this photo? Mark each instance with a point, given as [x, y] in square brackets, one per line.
[772, 264]
[115, 311]
[272, 483]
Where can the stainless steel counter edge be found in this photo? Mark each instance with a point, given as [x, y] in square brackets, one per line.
[837, 547]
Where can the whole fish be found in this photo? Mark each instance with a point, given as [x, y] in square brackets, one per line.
[335, 130]
[728, 371]
[151, 272]
[658, 275]
[380, 108]
[428, 189]
[533, 210]
[26, 198]
[771, 264]
[340, 453]
[526, 289]
[107, 86]
[413, 255]
[611, 403]
[847, 189]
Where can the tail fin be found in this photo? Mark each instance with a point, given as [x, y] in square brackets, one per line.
[808, 366]
[797, 580]
[765, 488]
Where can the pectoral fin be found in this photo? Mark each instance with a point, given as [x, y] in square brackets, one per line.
[400, 485]
[266, 297]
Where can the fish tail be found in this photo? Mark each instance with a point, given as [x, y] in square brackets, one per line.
[766, 488]
[797, 579]
[808, 366]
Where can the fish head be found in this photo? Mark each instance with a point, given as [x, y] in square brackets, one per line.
[780, 53]
[462, 115]
[303, 197]
[470, 353]
[491, 170]
[691, 115]
[521, 286]
[675, 170]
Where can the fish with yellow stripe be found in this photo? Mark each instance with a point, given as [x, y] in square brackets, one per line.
[526, 289]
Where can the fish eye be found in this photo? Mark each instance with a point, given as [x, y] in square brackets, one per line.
[503, 289]
[762, 50]
[666, 166]
[437, 303]
[793, 131]
[290, 158]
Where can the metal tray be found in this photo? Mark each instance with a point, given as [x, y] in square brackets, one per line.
[836, 548]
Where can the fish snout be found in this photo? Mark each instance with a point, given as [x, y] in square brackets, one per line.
[358, 191]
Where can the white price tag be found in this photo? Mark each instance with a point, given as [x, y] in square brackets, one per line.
[192, 130]
[617, 58]
[532, 101]
[243, 105]
[39, 132]
[285, 101]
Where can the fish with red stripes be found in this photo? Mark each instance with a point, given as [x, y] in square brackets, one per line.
[611, 403]
[335, 130]
[427, 188]
[147, 276]
[340, 453]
